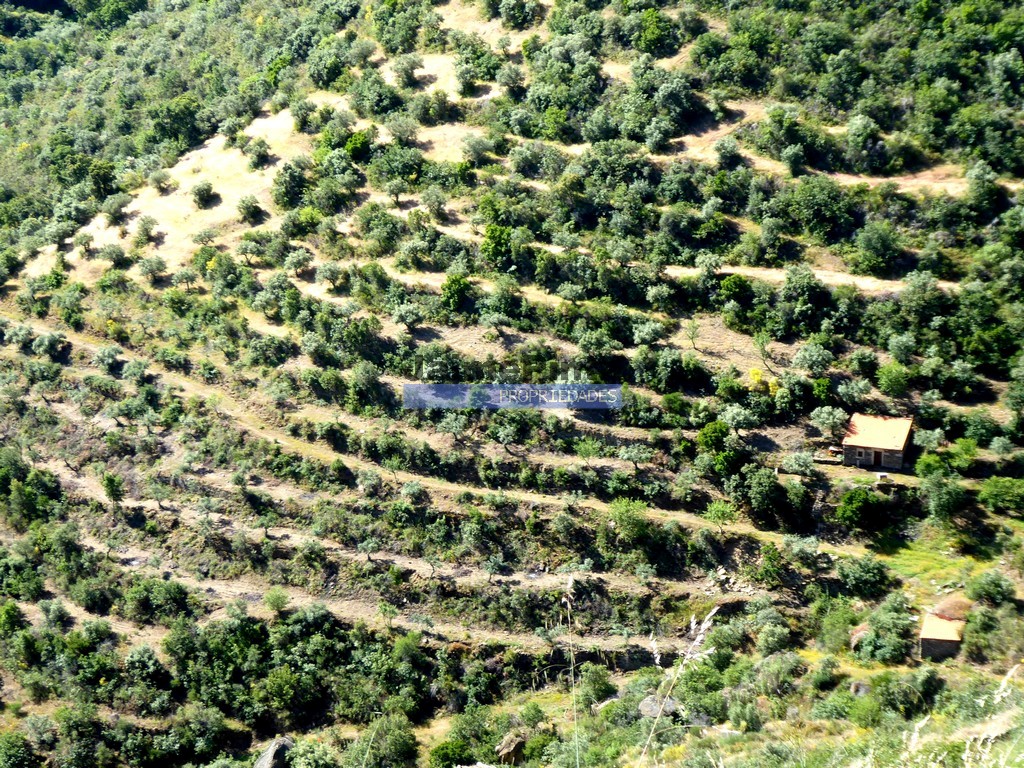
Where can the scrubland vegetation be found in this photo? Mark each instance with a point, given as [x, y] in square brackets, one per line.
[231, 232]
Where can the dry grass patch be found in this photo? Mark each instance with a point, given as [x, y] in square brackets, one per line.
[179, 220]
[940, 179]
[618, 70]
[278, 130]
[437, 73]
[722, 347]
[830, 277]
[466, 17]
[259, 323]
[443, 143]
[329, 98]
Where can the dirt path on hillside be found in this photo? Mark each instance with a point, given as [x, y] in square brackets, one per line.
[131, 633]
[474, 442]
[470, 575]
[251, 590]
[832, 278]
[947, 178]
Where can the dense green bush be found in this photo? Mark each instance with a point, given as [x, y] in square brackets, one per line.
[864, 577]
[890, 635]
[991, 587]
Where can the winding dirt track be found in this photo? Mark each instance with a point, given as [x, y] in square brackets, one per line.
[830, 277]
[251, 590]
[422, 568]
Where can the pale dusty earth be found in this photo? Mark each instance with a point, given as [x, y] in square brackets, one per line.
[437, 73]
[466, 17]
[865, 283]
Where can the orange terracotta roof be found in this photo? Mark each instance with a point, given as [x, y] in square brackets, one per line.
[886, 433]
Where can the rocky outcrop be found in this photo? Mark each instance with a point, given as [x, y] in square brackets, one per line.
[650, 706]
[273, 755]
[510, 749]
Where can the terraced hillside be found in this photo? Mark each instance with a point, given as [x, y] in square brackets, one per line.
[231, 234]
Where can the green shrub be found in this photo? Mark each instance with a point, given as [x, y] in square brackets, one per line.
[1003, 495]
[991, 587]
[450, 753]
[862, 509]
[15, 752]
[866, 711]
[386, 743]
[536, 745]
[772, 639]
[890, 635]
[836, 707]
[203, 195]
[745, 716]
[595, 685]
[864, 576]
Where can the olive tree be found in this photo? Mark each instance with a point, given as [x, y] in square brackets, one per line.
[854, 391]
[454, 424]
[878, 248]
[405, 67]
[434, 200]
[830, 421]
[152, 268]
[298, 261]
[161, 181]
[330, 272]
[720, 513]
[800, 463]
[187, 277]
[893, 379]
[902, 347]
[814, 358]
[408, 314]
[738, 417]
[250, 211]
[107, 358]
[203, 195]
[636, 454]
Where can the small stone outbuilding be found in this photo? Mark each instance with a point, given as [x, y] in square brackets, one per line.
[942, 628]
[876, 441]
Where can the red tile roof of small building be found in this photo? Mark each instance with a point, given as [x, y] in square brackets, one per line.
[885, 433]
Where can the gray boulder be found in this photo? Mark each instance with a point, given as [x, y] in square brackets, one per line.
[859, 688]
[273, 755]
[650, 706]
